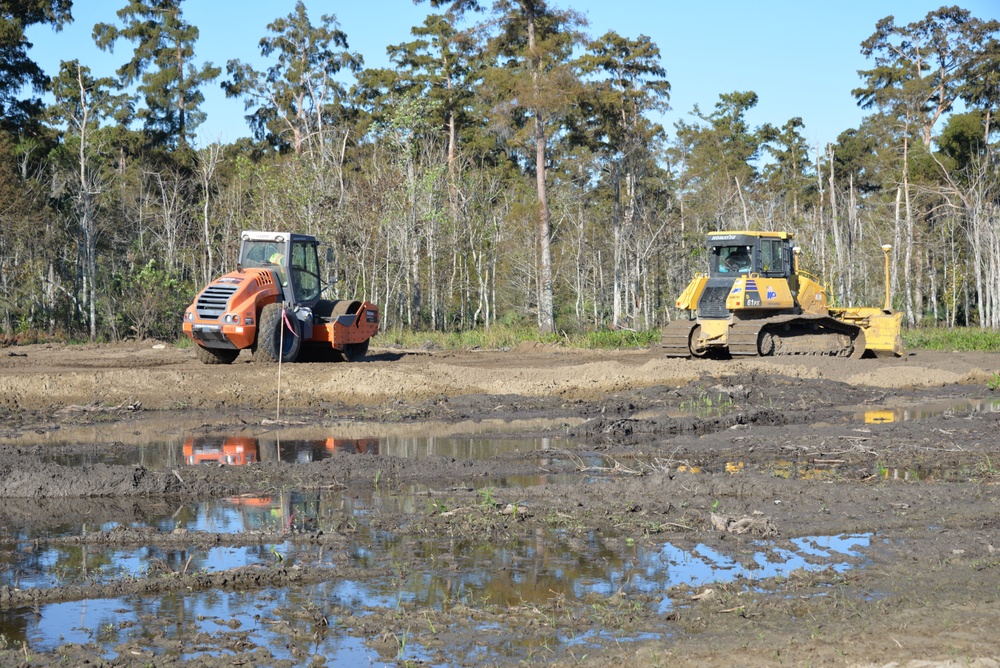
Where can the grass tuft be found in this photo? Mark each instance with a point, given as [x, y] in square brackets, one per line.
[962, 339]
[501, 337]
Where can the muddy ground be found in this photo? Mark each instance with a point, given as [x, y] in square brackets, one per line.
[722, 454]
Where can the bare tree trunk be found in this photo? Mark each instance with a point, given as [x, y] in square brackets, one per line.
[821, 235]
[743, 204]
[896, 237]
[954, 280]
[838, 244]
[546, 315]
[933, 286]
[86, 208]
[908, 252]
[616, 228]
[414, 239]
[208, 161]
[854, 237]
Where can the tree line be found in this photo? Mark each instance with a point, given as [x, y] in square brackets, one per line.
[508, 168]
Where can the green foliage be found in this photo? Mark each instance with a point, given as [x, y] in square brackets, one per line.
[963, 339]
[620, 338]
[150, 303]
[704, 405]
[964, 137]
[79, 96]
[486, 497]
[423, 177]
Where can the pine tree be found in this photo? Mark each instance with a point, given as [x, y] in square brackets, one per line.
[17, 71]
[536, 84]
[163, 63]
[296, 100]
[633, 84]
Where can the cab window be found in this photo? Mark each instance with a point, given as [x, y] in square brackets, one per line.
[732, 259]
[772, 260]
[305, 271]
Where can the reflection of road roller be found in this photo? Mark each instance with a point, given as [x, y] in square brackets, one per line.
[251, 501]
[360, 446]
[235, 451]
[239, 450]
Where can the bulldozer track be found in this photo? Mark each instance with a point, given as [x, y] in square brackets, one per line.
[796, 336]
[743, 339]
[675, 338]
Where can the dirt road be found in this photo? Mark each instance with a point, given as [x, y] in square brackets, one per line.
[745, 460]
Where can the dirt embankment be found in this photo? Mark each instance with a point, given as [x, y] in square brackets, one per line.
[159, 377]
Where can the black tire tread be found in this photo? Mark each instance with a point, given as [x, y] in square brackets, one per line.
[215, 355]
[269, 333]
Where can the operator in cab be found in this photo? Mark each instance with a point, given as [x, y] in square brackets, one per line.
[277, 258]
[737, 260]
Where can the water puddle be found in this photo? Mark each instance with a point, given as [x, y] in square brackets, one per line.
[27, 567]
[109, 622]
[428, 573]
[710, 404]
[924, 411]
[935, 474]
[237, 450]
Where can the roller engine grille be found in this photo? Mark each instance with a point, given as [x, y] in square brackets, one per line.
[213, 300]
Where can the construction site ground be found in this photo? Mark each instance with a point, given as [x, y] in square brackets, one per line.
[734, 458]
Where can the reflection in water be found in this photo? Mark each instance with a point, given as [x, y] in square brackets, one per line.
[435, 572]
[62, 565]
[929, 410]
[109, 622]
[244, 449]
[880, 416]
[238, 450]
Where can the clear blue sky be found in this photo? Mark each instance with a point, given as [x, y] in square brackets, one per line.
[800, 57]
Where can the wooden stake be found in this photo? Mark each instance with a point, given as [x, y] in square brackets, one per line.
[281, 353]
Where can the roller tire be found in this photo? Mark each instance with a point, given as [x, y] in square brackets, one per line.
[269, 336]
[216, 355]
[355, 352]
[328, 309]
[319, 352]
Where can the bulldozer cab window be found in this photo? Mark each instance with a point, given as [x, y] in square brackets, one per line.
[305, 271]
[732, 260]
[772, 258]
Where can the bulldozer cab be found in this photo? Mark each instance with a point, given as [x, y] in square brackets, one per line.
[293, 259]
[733, 255]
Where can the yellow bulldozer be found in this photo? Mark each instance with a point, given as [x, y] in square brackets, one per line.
[755, 300]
